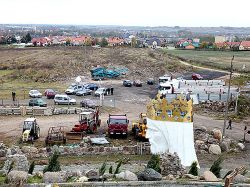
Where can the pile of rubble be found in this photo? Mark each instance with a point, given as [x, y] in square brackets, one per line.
[171, 165]
[211, 142]
[215, 106]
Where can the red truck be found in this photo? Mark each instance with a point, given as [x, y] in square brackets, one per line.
[118, 125]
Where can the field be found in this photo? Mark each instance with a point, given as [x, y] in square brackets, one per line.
[216, 59]
[23, 69]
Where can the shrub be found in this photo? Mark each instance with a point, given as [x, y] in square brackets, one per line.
[118, 167]
[216, 167]
[31, 168]
[111, 169]
[54, 164]
[193, 169]
[103, 168]
[154, 163]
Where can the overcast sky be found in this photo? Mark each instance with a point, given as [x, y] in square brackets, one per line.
[127, 12]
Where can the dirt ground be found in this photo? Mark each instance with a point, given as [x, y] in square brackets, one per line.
[128, 100]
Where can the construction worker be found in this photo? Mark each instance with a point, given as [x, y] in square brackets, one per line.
[13, 96]
[229, 124]
[112, 90]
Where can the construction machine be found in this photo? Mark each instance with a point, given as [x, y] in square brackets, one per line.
[118, 125]
[31, 130]
[139, 127]
[88, 123]
[56, 135]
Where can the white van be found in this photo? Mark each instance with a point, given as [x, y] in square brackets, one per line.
[64, 100]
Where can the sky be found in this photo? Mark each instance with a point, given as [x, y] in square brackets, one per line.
[191, 13]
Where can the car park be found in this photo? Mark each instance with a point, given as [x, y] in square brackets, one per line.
[64, 100]
[84, 92]
[127, 83]
[101, 91]
[37, 102]
[49, 93]
[91, 86]
[137, 83]
[34, 93]
[88, 103]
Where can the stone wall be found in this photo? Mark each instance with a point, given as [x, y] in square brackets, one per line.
[78, 150]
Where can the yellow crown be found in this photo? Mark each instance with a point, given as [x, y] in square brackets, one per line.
[178, 110]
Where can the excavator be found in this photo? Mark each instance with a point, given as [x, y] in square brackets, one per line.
[139, 127]
[88, 123]
[31, 130]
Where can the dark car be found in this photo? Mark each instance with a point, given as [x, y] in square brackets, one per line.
[150, 81]
[50, 94]
[92, 86]
[37, 102]
[137, 83]
[88, 103]
[127, 83]
[196, 76]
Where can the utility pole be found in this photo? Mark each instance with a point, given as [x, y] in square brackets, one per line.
[228, 95]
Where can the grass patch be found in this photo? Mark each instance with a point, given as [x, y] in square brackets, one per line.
[2, 180]
[215, 59]
[35, 179]
[100, 158]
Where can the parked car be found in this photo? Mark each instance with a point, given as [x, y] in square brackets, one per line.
[73, 89]
[127, 83]
[150, 81]
[64, 99]
[49, 93]
[34, 93]
[101, 91]
[137, 83]
[88, 103]
[37, 102]
[91, 86]
[84, 92]
[196, 76]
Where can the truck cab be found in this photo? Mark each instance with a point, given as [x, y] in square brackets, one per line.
[118, 125]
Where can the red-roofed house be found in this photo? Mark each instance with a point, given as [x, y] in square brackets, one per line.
[41, 41]
[115, 41]
[244, 46]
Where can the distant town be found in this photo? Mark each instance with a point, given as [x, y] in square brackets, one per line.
[189, 38]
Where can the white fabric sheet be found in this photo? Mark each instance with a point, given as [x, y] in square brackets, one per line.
[165, 136]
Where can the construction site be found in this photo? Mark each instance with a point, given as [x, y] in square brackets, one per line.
[123, 119]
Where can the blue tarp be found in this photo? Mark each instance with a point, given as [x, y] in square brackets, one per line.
[102, 72]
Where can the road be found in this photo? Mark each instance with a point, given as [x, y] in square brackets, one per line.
[206, 68]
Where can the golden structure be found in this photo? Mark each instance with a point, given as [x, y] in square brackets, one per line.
[178, 110]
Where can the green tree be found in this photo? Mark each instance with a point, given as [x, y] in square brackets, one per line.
[216, 167]
[111, 169]
[193, 169]
[118, 167]
[54, 164]
[103, 168]
[104, 42]
[154, 163]
[28, 38]
[31, 168]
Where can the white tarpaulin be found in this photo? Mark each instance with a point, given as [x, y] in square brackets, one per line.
[165, 136]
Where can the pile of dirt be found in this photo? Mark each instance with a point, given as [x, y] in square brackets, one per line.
[61, 63]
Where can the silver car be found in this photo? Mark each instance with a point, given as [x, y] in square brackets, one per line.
[84, 92]
[64, 100]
